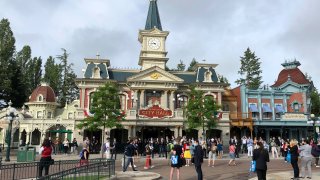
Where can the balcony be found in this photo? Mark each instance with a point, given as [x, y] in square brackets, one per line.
[241, 120]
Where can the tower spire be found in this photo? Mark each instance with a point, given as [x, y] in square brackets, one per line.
[153, 19]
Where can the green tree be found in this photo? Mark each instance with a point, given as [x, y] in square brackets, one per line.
[181, 66]
[315, 102]
[192, 64]
[69, 90]
[34, 73]
[223, 79]
[201, 111]
[106, 110]
[53, 74]
[18, 93]
[250, 70]
[7, 50]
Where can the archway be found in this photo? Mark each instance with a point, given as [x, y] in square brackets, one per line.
[23, 138]
[35, 137]
[121, 135]
[213, 133]
[56, 132]
[190, 133]
[235, 131]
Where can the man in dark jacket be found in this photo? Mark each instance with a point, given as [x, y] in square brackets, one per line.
[198, 159]
[128, 155]
[261, 156]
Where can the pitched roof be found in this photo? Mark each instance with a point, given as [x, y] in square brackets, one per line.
[153, 18]
[44, 90]
[295, 75]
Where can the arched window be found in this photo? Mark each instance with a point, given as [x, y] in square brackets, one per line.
[40, 98]
[96, 72]
[35, 138]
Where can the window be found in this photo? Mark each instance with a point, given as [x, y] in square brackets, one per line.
[226, 107]
[296, 107]
[49, 115]
[267, 111]
[279, 110]
[40, 98]
[70, 115]
[96, 72]
[39, 114]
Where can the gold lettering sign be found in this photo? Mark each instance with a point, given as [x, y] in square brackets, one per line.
[155, 76]
[288, 116]
[155, 112]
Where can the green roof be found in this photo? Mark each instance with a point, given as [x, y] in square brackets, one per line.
[153, 19]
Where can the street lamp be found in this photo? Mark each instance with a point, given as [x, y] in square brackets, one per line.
[313, 120]
[11, 115]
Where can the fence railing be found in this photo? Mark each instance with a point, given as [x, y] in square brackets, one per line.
[92, 171]
[31, 170]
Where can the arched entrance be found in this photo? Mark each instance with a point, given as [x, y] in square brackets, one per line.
[35, 137]
[213, 133]
[154, 132]
[121, 135]
[23, 138]
[235, 131]
[190, 133]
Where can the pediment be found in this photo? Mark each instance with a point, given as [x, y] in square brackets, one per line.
[155, 74]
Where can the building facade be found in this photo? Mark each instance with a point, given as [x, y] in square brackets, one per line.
[281, 110]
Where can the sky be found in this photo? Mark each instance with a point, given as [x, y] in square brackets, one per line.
[217, 31]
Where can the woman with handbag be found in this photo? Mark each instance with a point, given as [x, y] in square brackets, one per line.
[46, 160]
[294, 158]
[176, 162]
[261, 156]
[84, 155]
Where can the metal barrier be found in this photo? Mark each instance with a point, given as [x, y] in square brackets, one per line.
[92, 171]
[31, 170]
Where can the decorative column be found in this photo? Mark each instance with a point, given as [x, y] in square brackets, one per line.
[176, 131]
[83, 91]
[164, 97]
[219, 98]
[259, 107]
[285, 103]
[28, 138]
[272, 107]
[135, 98]
[267, 135]
[141, 101]
[171, 102]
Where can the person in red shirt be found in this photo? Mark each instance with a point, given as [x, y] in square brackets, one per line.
[46, 160]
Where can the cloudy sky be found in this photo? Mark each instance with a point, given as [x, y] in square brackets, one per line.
[218, 31]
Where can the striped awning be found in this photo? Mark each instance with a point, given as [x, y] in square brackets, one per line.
[253, 108]
[266, 108]
[279, 109]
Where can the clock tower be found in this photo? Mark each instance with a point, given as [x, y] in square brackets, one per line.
[153, 38]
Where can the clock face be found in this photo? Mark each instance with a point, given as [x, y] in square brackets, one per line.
[154, 43]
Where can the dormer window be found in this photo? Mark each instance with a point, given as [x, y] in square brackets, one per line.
[207, 76]
[96, 72]
[40, 98]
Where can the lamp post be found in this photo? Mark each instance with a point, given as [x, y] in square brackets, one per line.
[11, 115]
[313, 120]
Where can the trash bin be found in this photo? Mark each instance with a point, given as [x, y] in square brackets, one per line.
[31, 154]
[22, 154]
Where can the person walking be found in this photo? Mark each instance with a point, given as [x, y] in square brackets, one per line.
[274, 149]
[128, 155]
[114, 149]
[261, 156]
[232, 151]
[45, 161]
[212, 154]
[198, 159]
[316, 152]
[148, 164]
[220, 149]
[84, 155]
[306, 158]
[294, 157]
[176, 152]
[75, 145]
[187, 153]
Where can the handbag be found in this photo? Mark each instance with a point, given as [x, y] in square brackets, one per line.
[174, 160]
[51, 162]
[288, 157]
[253, 166]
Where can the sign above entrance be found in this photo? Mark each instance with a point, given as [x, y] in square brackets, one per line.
[155, 112]
[292, 116]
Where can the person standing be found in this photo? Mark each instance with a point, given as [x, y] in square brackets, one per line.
[198, 159]
[128, 155]
[274, 149]
[212, 153]
[84, 155]
[75, 145]
[294, 158]
[114, 149]
[244, 144]
[107, 148]
[176, 151]
[306, 158]
[45, 161]
[250, 147]
[66, 146]
[220, 149]
[261, 156]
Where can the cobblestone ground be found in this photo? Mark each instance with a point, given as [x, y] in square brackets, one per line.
[220, 171]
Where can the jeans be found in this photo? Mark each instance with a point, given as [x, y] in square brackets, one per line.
[127, 161]
[250, 150]
[262, 174]
[199, 172]
[161, 151]
[114, 152]
[306, 162]
[274, 151]
[294, 163]
[44, 164]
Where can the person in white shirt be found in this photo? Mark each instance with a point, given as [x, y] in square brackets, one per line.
[244, 144]
[250, 147]
[107, 148]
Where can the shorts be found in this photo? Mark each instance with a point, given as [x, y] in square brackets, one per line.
[232, 155]
[212, 155]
